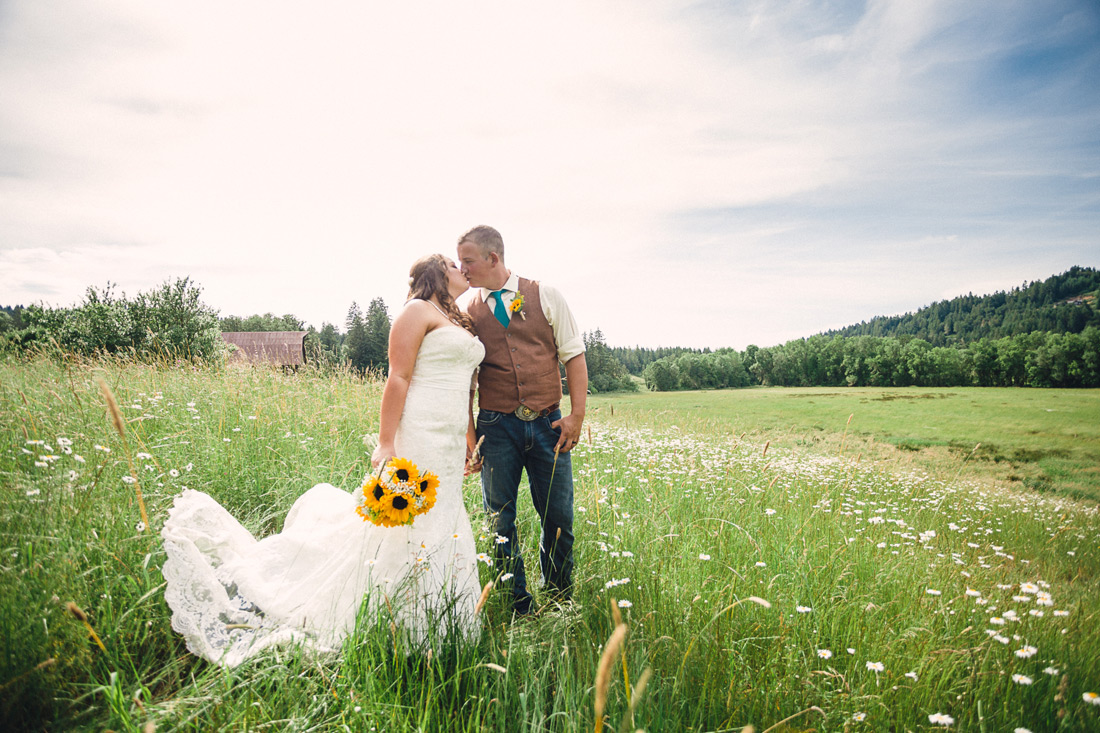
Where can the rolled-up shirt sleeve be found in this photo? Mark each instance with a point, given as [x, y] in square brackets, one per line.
[567, 336]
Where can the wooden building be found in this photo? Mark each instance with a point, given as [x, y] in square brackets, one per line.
[281, 348]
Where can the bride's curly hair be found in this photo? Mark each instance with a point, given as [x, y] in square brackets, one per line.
[428, 277]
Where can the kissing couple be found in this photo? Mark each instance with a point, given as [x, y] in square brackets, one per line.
[233, 596]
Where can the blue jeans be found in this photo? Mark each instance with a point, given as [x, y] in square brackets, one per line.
[512, 445]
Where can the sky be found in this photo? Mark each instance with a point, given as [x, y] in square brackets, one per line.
[700, 174]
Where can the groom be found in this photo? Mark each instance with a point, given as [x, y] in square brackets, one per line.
[526, 328]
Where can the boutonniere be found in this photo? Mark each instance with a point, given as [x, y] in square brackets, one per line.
[517, 306]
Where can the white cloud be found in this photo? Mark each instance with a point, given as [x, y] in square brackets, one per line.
[296, 159]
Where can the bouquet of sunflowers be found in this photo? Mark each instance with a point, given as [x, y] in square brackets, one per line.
[397, 494]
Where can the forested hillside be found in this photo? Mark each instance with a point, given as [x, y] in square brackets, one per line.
[1063, 303]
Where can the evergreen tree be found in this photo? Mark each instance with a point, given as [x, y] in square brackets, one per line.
[355, 343]
[377, 340]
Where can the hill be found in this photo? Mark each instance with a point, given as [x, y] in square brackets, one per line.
[1065, 303]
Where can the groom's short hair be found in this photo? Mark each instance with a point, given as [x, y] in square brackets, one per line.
[487, 240]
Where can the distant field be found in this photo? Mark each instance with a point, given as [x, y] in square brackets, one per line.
[1046, 439]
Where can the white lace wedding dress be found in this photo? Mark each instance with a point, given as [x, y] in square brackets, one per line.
[232, 595]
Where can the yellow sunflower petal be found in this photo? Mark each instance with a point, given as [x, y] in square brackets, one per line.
[402, 470]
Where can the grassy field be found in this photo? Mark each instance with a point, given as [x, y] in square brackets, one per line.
[1044, 439]
[722, 581]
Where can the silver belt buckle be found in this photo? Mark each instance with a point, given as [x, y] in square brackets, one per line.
[525, 413]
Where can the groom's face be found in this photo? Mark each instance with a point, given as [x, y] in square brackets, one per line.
[476, 267]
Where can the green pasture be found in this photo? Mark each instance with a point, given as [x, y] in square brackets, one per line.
[771, 580]
[1043, 439]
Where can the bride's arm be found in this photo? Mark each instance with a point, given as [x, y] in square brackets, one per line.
[473, 463]
[406, 334]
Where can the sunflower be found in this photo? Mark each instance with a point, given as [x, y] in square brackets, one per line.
[373, 492]
[398, 509]
[402, 470]
[427, 485]
[517, 303]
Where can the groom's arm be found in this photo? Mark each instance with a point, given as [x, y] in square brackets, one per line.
[576, 375]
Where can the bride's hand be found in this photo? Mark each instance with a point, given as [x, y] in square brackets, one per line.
[383, 452]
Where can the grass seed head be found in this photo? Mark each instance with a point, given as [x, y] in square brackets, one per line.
[603, 672]
[112, 408]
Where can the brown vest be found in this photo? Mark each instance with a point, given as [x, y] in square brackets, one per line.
[521, 361]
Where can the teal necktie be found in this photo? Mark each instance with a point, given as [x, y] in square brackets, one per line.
[500, 311]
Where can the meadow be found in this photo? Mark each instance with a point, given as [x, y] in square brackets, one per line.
[728, 574]
[1042, 439]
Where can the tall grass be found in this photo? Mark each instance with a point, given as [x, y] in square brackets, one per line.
[880, 598]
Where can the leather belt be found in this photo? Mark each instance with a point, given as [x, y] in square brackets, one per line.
[525, 413]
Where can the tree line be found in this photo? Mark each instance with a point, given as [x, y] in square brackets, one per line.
[1034, 359]
[1063, 303]
[969, 345]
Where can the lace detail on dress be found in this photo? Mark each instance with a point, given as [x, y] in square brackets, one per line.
[232, 595]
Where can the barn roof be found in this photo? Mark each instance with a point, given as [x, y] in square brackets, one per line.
[284, 348]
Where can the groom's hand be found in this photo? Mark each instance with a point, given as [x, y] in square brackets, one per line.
[473, 452]
[570, 427]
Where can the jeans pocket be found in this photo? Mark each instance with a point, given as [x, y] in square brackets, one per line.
[488, 417]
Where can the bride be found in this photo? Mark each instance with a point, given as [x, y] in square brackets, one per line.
[232, 595]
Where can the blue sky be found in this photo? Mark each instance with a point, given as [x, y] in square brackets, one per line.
[687, 173]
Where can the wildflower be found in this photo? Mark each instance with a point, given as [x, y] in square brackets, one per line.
[1021, 730]
[1091, 698]
[34, 492]
[507, 576]
[625, 604]
[143, 456]
[1029, 588]
[482, 557]
[933, 592]
[997, 621]
[859, 716]
[1061, 613]
[911, 675]
[761, 564]
[876, 666]
[803, 609]
[850, 650]
[1026, 651]
[973, 593]
[1021, 679]
[173, 473]
[769, 512]
[501, 540]
[73, 475]
[1002, 639]
[129, 480]
[102, 448]
[704, 556]
[941, 719]
[78, 458]
[140, 526]
[1052, 671]
[824, 654]
[41, 464]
